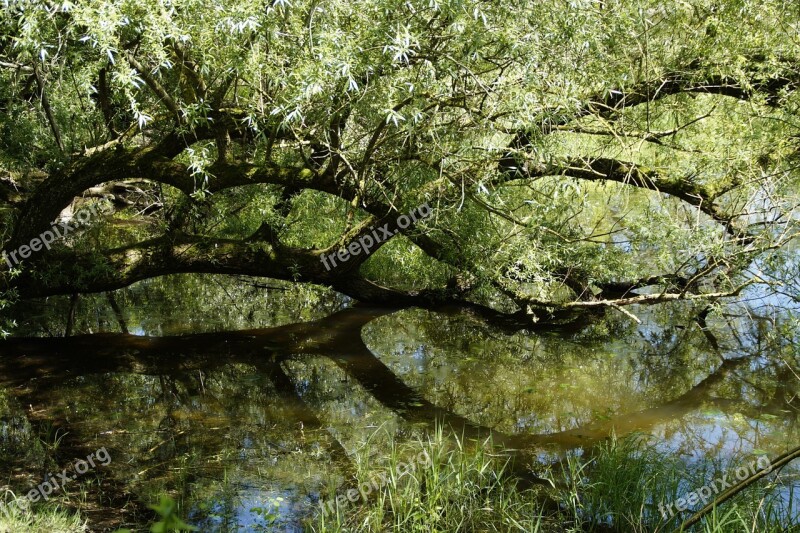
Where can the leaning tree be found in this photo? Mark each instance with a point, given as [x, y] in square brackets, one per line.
[575, 155]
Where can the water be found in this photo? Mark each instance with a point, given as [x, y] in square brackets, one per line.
[247, 402]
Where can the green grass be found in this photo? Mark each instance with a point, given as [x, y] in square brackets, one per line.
[41, 518]
[621, 488]
[468, 488]
[441, 484]
[455, 489]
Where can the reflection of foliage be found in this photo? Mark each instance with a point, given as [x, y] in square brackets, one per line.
[550, 382]
[175, 304]
[26, 445]
[226, 438]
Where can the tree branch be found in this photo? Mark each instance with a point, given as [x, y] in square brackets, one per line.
[48, 111]
[685, 188]
[155, 86]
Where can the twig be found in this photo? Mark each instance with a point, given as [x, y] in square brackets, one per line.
[48, 111]
[155, 86]
[627, 313]
[777, 463]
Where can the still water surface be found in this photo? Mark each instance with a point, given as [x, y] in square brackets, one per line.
[237, 398]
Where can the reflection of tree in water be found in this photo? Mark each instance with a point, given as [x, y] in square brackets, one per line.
[206, 405]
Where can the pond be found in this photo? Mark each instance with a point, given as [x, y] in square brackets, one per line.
[247, 397]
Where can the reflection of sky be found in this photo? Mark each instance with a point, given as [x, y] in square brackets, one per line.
[701, 439]
[252, 509]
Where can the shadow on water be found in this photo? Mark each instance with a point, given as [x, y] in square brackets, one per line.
[236, 422]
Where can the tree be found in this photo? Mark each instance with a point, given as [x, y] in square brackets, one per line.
[571, 154]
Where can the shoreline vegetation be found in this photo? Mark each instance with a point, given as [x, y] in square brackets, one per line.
[469, 486]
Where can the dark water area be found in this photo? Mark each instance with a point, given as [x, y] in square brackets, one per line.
[242, 399]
